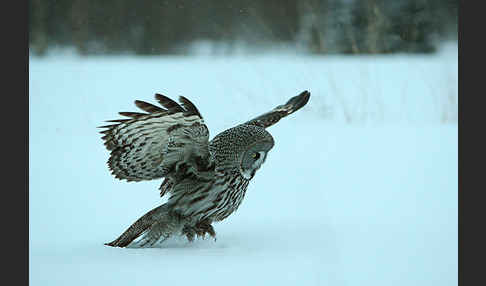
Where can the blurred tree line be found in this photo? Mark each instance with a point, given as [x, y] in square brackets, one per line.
[171, 26]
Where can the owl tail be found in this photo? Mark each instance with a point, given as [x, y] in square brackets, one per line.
[157, 224]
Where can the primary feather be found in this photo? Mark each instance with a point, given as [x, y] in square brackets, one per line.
[148, 146]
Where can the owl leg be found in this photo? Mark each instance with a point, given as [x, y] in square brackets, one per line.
[204, 227]
[199, 229]
[190, 232]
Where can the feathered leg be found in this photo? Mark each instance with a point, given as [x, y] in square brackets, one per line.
[204, 227]
[157, 224]
[200, 229]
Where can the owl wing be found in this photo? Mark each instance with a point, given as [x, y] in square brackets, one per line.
[270, 118]
[159, 143]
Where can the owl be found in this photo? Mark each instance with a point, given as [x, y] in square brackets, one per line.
[205, 180]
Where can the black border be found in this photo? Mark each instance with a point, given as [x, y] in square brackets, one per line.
[15, 142]
[470, 186]
[14, 138]
[460, 123]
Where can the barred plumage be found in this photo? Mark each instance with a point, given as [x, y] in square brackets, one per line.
[206, 180]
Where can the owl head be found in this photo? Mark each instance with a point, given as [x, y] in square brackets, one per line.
[242, 149]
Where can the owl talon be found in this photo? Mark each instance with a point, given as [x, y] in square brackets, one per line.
[189, 232]
[206, 227]
[199, 230]
[190, 237]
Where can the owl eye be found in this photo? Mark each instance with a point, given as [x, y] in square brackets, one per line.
[255, 155]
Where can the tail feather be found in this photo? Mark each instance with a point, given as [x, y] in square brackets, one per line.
[157, 223]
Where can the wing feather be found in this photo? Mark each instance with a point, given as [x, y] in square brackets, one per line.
[132, 114]
[191, 108]
[145, 106]
[168, 103]
[152, 145]
[270, 118]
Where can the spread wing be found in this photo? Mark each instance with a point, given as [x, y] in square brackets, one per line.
[158, 143]
[270, 118]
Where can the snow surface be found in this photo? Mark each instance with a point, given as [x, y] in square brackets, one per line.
[360, 188]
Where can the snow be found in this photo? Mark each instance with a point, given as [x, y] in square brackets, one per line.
[360, 188]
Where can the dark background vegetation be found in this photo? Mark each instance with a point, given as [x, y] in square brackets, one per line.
[148, 27]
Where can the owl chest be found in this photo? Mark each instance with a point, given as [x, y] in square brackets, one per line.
[229, 198]
[214, 201]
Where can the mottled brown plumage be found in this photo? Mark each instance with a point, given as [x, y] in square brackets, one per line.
[206, 180]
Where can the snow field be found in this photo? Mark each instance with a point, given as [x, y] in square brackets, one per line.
[360, 188]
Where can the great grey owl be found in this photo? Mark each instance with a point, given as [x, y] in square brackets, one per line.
[206, 180]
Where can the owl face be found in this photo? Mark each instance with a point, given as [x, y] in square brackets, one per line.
[253, 158]
[243, 149]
